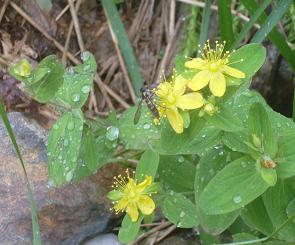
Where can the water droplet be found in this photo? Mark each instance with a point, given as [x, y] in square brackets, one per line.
[86, 89]
[85, 55]
[243, 164]
[66, 142]
[71, 126]
[76, 97]
[112, 133]
[237, 199]
[69, 176]
[146, 126]
[182, 214]
[71, 70]
[211, 172]
[55, 126]
[180, 159]
[171, 193]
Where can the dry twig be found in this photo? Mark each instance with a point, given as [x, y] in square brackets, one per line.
[63, 11]
[3, 9]
[103, 87]
[151, 231]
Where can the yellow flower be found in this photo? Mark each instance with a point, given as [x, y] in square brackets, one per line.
[171, 98]
[131, 197]
[23, 68]
[214, 69]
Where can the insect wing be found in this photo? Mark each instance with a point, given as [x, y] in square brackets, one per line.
[137, 113]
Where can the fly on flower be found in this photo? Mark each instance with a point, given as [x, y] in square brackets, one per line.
[132, 197]
[172, 99]
[147, 96]
[214, 69]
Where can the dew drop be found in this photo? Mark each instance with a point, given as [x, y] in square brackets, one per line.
[112, 133]
[71, 126]
[86, 89]
[180, 159]
[85, 55]
[237, 199]
[55, 126]
[69, 176]
[76, 97]
[146, 126]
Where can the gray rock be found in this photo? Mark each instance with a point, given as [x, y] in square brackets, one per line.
[106, 239]
[72, 212]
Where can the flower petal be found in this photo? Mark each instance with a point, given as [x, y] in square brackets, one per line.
[146, 205]
[175, 119]
[217, 84]
[233, 72]
[121, 205]
[190, 101]
[196, 63]
[144, 184]
[132, 211]
[180, 85]
[200, 80]
[163, 89]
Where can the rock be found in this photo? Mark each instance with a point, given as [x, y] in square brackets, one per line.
[67, 215]
[106, 239]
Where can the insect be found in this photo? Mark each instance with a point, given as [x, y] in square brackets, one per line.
[147, 96]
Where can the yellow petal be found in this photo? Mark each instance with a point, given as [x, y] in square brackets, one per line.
[121, 205]
[217, 84]
[233, 72]
[200, 80]
[190, 101]
[180, 85]
[146, 205]
[175, 119]
[144, 184]
[132, 211]
[196, 63]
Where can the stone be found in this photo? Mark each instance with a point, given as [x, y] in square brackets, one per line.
[67, 215]
[105, 239]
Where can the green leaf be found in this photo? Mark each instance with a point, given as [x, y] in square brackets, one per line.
[225, 120]
[275, 36]
[63, 147]
[252, 56]
[239, 141]
[180, 210]
[129, 229]
[121, 39]
[34, 216]
[276, 201]
[45, 80]
[256, 217]
[177, 173]
[285, 157]
[194, 139]
[77, 82]
[248, 25]
[233, 187]
[260, 127]
[141, 135]
[269, 175]
[148, 165]
[205, 23]
[271, 21]
[209, 165]
[225, 22]
[91, 150]
[243, 237]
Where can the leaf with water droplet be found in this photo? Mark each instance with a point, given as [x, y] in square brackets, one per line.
[63, 142]
[77, 83]
[233, 180]
[180, 210]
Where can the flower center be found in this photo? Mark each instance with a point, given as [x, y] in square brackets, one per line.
[132, 195]
[214, 67]
[171, 99]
